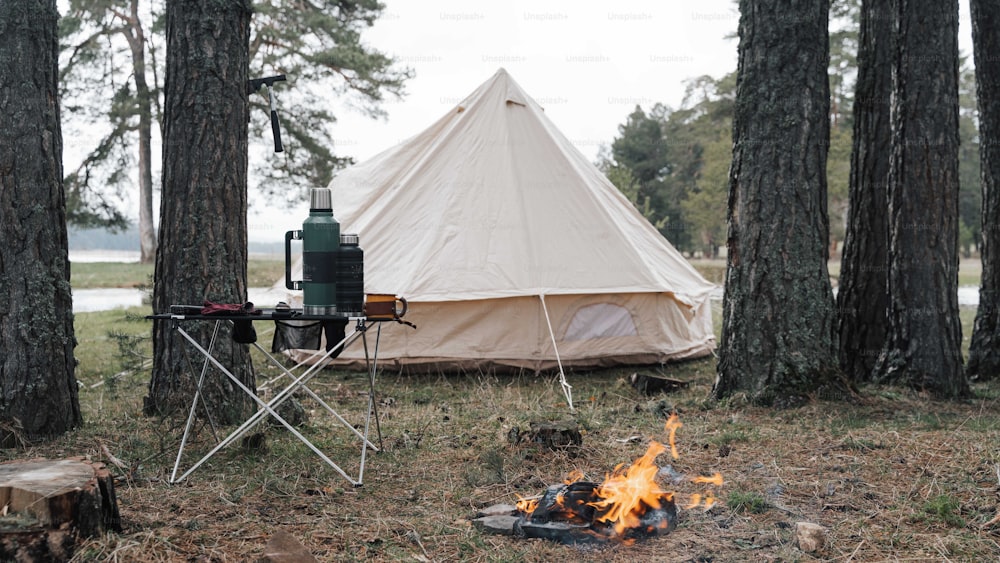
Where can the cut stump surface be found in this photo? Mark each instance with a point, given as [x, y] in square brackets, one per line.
[45, 505]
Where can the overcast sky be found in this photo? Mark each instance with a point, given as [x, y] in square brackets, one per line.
[587, 63]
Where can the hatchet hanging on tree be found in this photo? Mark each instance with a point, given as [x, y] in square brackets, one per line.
[253, 85]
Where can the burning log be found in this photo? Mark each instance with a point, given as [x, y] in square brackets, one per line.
[577, 513]
[570, 514]
[628, 505]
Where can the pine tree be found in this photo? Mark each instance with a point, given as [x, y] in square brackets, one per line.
[778, 309]
[863, 293]
[203, 217]
[924, 338]
[984, 351]
[39, 397]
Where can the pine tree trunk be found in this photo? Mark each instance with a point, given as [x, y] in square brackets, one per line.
[778, 310]
[39, 390]
[203, 214]
[923, 344]
[136, 38]
[863, 294]
[984, 352]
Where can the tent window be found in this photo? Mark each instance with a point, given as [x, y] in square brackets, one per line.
[601, 320]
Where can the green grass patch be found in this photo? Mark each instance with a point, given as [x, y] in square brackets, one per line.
[945, 509]
[928, 421]
[747, 502]
[861, 444]
[712, 270]
[847, 421]
[730, 436]
[970, 272]
[103, 336]
[984, 423]
[94, 275]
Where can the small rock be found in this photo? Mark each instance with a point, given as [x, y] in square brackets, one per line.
[293, 412]
[255, 442]
[497, 510]
[810, 537]
[284, 548]
[503, 525]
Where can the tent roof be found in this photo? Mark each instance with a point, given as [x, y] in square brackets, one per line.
[493, 201]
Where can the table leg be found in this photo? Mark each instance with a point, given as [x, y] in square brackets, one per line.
[268, 408]
[194, 405]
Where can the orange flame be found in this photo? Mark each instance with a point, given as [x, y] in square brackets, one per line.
[573, 477]
[526, 505]
[709, 500]
[697, 500]
[673, 423]
[713, 480]
[627, 493]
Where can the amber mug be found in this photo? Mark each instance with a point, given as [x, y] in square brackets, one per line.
[384, 306]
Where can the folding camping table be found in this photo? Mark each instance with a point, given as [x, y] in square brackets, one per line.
[298, 383]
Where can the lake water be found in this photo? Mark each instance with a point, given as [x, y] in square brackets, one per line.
[103, 255]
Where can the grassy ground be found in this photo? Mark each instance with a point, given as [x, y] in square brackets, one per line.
[892, 476]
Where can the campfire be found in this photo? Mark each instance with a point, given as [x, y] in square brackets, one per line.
[628, 505]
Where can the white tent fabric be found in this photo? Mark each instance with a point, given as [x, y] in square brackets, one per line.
[490, 216]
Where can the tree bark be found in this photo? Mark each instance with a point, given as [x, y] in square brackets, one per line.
[923, 344]
[136, 38]
[203, 224]
[39, 397]
[778, 309]
[984, 352]
[863, 293]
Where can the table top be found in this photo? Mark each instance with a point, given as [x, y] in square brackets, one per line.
[263, 315]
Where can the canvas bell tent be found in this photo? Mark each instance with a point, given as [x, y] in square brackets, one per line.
[513, 250]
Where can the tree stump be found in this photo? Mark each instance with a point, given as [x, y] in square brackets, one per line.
[46, 505]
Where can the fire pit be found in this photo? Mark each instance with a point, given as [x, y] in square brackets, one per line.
[628, 505]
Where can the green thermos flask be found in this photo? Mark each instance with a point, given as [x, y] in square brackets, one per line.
[320, 237]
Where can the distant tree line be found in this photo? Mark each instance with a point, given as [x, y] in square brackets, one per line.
[673, 163]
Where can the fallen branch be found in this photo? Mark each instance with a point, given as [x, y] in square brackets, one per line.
[146, 364]
[114, 460]
[992, 521]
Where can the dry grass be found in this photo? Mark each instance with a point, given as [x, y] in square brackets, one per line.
[896, 478]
